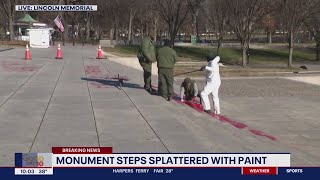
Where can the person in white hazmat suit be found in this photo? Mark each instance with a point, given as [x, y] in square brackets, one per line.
[212, 86]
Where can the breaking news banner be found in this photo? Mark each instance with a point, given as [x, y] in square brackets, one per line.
[56, 7]
[88, 162]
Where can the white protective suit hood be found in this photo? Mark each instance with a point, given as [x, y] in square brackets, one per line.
[216, 60]
[213, 69]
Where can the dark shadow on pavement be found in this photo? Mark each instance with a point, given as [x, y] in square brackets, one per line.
[114, 83]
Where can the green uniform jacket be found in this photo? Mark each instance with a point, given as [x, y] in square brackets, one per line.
[147, 51]
[166, 57]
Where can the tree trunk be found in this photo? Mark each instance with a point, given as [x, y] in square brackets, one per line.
[142, 33]
[116, 31]
[290, 57]
[79, 32]
[142, 29]
[145, 28]
[290, 50]
[111, 34]
[193, 26]
[284, 39]
[244, 55]
[318, 51]
[172, 42]
[172, 38]
[117, 34]
[309, 35]
[73, 33]
[99, 33]
[88, 27]
[270, 37]
[219, 41]
[197, 28]
[11, 37]
[155, 29]
[218, 47]
[130, 30]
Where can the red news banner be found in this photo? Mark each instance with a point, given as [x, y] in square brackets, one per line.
[82, 150]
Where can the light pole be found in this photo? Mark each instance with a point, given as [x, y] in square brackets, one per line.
[85, 31]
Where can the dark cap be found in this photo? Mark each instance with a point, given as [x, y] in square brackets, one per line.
[210, 55]
[167, 42]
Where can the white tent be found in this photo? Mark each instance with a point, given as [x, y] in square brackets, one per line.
[40, 37]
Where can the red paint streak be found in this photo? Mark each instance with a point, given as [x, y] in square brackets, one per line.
[198, 107]
[260, 133]
[195, 106]
[95, 70]
[96, 77]
[99, 85]
[18, 67]
[236, 124]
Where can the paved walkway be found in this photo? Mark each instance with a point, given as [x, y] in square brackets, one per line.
[76, 102]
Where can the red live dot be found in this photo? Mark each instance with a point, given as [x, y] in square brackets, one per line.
[40, 163]
[259, 171]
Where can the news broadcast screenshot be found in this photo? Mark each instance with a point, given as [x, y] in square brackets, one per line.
[159, 89]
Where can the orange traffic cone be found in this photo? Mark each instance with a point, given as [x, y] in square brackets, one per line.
[59, 53]
[99, 53]
[27, 54]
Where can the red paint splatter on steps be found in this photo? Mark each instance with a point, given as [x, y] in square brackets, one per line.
[93, 70]
[18, 67]
[236, 124]
[198, 107]
[260, 133]
[99, 85]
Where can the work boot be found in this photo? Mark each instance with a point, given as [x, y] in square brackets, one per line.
[152, 91]
[165, 97]
[208, 111]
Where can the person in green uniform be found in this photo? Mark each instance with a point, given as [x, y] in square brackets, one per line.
[166, 58]
[146, 56]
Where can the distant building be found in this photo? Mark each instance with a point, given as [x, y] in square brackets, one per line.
[21, 26]
[38, 34]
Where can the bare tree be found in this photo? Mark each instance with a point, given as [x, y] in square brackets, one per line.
[293, 14]
[217, 17]
[174, 13]
[141, 21]
[102, 24]
[113, 7]
[8, 7]
[132, 10]
[313, 24]
[155, 25]
[195, 7]
[243, 17]
[269, 24]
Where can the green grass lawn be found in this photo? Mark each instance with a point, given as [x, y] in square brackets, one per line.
[232, 55]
